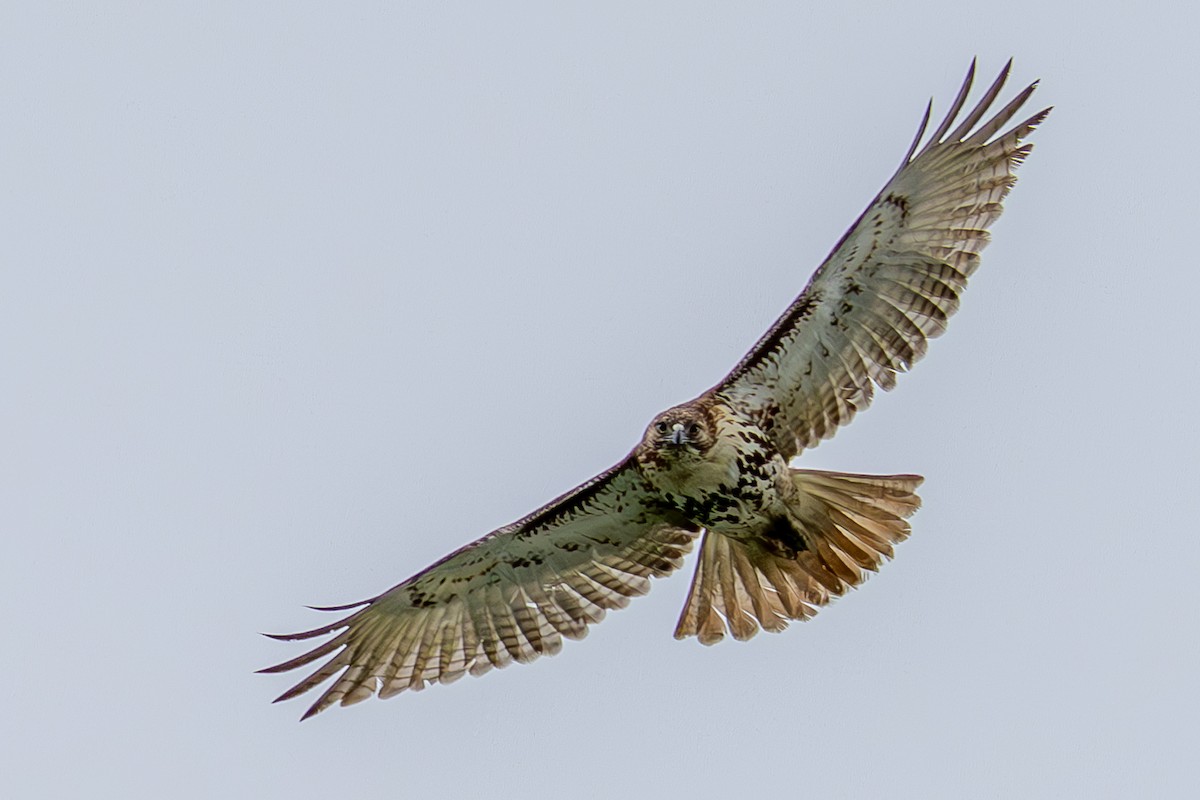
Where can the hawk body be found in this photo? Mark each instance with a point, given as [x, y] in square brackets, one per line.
[732, 479]
[777, 543]
[786, 544]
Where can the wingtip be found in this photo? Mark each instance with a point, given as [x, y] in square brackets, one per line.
[344, 607]
[296, 637]
[271, 670]
[312, 711]
[912, 148]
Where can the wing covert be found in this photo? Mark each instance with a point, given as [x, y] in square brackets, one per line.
[511, 596]
[891, 283]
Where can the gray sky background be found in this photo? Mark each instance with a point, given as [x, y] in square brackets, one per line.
[298, 298]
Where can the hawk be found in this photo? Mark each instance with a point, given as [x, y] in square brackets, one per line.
[776, 542]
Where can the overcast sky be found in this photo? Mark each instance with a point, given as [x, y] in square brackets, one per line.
[298, 298]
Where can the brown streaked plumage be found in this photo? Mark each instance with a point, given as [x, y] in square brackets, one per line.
[777, 542]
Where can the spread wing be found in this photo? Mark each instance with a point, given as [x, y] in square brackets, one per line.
[511, 596]
[892, 281]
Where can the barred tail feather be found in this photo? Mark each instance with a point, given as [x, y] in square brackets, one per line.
[849, 524]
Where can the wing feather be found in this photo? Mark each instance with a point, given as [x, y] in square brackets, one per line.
[955, 107]
[892, 282]
[511, 596]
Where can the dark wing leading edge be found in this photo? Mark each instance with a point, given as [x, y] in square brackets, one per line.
[892, 281]
[511, 596]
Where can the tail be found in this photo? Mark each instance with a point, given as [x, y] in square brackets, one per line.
[848, 525]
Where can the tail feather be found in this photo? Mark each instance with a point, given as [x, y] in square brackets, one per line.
[849, 523]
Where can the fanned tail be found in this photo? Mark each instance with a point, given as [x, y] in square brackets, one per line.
[848, 525]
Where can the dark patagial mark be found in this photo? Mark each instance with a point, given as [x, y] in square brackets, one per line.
[783, 327]
[419, 599]
[899, 201]
[524, 562]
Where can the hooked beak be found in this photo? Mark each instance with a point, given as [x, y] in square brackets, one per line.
[677, 435]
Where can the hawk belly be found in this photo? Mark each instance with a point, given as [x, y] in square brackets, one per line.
[739, 485]
[779, 543]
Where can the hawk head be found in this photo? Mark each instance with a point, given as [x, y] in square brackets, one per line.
[679, 434]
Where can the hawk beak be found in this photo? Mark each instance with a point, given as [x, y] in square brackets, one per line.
[677, 435]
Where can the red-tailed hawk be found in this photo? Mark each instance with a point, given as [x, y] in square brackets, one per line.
[777, 543]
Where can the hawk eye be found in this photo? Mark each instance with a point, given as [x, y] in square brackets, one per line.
[692, 428]
[660, 426]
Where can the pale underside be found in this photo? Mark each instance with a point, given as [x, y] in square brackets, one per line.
[866, 315]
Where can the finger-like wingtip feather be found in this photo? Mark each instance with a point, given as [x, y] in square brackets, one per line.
[324, 629]
[1000, 118]
[912, 148]
[345, 607]
[312, 634]
[981, 108]
[955, 107]
[308, 657]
